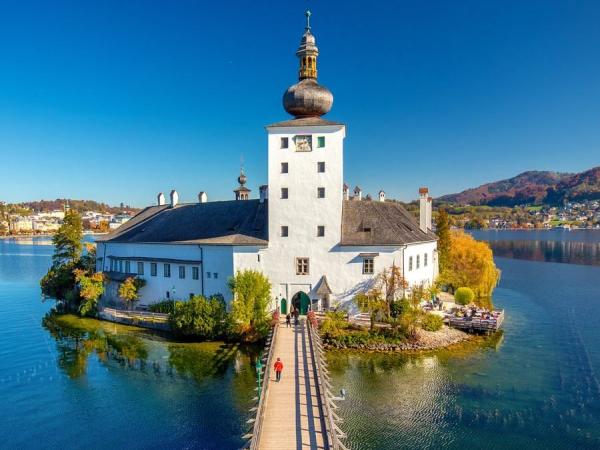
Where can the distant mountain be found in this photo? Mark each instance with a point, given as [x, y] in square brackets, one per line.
[533, 187]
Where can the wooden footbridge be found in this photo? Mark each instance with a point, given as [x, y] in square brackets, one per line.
[295, 413]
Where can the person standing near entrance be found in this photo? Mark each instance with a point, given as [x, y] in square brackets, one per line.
[288, 320]
[278, 368]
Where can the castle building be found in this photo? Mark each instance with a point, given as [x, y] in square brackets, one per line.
[317, 244]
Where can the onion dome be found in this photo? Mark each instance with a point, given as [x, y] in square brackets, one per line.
[307, 98]
[242, 192]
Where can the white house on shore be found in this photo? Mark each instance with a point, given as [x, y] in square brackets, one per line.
[317, 244]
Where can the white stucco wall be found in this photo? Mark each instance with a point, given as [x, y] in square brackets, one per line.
[214, 259]
[424, 274]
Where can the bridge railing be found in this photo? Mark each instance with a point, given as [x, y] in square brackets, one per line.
[334, 432]
[267, 363]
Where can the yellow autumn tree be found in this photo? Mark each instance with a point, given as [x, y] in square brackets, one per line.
[470, 264]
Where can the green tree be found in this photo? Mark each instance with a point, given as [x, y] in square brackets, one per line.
[129, 290]
[200, 317]
[91, 287]
[249, 309]
[442, 228]
[372, 303]
[67, 240]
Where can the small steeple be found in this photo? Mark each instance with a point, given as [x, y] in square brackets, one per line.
[242, 192]
[307, 52]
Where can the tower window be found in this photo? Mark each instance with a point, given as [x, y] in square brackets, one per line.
[302, 266]
[368, 266]
[284, 167]
[321, 192]
[321, 166]
[321, 141]
[321, 230]
[284, 193]
[285, 142]
[284, 231]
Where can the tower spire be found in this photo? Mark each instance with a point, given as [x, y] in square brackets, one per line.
[307, 98]
[307, 52]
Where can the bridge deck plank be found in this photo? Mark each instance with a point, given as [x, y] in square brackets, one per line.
[293, 411]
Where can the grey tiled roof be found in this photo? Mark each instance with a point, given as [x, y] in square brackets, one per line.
[236, 222]
[304, 122]
[380, 223]
[245, 222]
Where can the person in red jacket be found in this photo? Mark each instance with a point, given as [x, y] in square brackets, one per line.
[278, 368]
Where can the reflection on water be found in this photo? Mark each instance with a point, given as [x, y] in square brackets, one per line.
[78, 339]
[537, 387]
[552, 251]
[572, 247]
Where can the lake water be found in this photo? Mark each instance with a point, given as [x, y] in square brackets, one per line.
[72, 383]
[536, 387]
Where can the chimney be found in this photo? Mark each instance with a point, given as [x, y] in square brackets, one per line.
[202, 197]
[423, 195]
[428, 217]
[264, 192]
[358, 193]
[174, 198]
[381, 196]
[161, 198]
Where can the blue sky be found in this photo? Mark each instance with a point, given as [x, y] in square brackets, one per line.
[116, 101]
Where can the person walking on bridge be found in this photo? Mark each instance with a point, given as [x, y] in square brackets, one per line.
[278, 368]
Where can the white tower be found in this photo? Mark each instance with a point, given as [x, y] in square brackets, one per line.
[305, 176]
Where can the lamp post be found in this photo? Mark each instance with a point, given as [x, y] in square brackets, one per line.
[259, 368]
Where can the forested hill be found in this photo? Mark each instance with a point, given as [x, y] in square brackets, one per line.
[533, 187]
[78, 205]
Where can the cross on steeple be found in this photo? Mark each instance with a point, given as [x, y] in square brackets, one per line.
[307, 13]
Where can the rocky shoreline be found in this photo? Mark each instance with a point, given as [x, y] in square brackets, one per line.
[426, 340]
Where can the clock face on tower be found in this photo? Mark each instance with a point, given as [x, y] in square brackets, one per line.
[303, 143]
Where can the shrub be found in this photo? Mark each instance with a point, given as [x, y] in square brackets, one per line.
[464, 295]
[432, 322]
[333, 323]
[400, 307]
[200, 317]
[165, 306]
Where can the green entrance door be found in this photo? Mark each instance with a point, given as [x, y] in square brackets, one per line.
[301, 302]
[283, 307]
